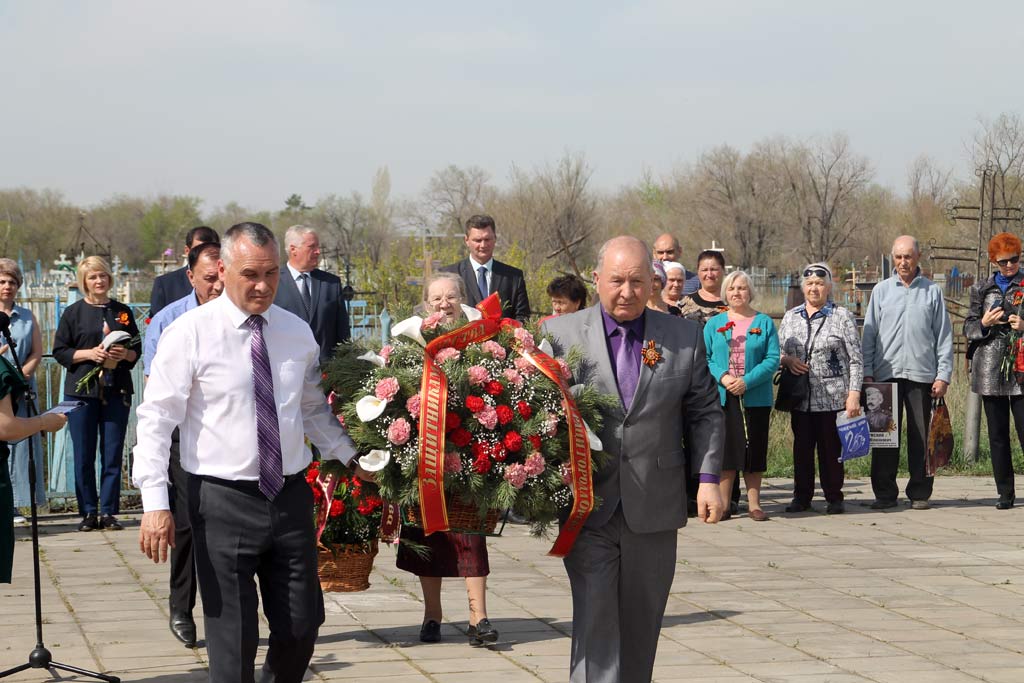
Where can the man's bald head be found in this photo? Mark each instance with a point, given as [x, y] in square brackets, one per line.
[624, 277]
[666, 248]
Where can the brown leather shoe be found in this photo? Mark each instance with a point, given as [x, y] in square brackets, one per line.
[758, 515]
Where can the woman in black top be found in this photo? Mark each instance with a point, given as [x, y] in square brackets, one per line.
[13, 428]
[77, 346]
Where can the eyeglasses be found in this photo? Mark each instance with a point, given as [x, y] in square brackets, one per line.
[1007, 261]
[817, 272]
[437, 300]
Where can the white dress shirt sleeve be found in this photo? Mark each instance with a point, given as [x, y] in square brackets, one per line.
[163, 408]
[320, 424]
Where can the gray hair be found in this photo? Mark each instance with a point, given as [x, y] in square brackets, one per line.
[738, 275]
[257, 233]
[627, 238]
[9, 266]
[917, 245]
[451, 277]
[293, 236]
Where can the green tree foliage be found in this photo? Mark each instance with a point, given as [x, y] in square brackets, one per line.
[165, 222]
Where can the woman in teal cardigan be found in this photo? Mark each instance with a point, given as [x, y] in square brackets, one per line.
[743, 354]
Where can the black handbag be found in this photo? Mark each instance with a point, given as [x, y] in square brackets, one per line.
[794, 390]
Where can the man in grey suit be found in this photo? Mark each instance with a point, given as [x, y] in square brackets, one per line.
[483, 275]
[312, 294]
[623, 562]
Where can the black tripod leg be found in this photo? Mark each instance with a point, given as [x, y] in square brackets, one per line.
[84, 672]
[17, 669]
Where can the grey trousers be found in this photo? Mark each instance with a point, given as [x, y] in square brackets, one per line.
[915, 399]
[620, 584]
[239, 536]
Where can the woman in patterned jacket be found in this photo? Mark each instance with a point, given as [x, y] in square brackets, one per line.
[820, 338]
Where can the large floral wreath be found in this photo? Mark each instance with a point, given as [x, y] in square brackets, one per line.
[479, 404]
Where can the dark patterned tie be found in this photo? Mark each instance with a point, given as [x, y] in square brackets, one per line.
[307, 300]
[627, 372]
[481, 281]
[268, 433]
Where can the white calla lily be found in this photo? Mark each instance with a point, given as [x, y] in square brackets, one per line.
[375, 460]
[410, 327]
[373, 358]
[545, 346]
[471, 313]
[369, 408]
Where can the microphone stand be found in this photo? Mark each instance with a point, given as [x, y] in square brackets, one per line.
[40, 657]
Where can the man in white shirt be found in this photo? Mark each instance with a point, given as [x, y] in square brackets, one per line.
[240, 377]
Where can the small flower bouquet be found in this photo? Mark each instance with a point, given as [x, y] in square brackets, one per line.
[347, 517]
[1012, 364]
[473, 413]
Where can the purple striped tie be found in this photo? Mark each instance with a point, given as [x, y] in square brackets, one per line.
[268, 433]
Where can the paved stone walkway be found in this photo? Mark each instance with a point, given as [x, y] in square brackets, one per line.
[891, 597]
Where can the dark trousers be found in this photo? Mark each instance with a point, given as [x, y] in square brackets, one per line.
[915, 398]
[108, 422]
[816, 431]
[239, 536]
[997, 415]
[620, 583]
[183, 566]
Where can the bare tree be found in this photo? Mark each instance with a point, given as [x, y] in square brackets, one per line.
[1000, 142]
[454, 194]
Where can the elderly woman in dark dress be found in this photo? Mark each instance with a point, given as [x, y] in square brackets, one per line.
[450, 554]
[994, 312]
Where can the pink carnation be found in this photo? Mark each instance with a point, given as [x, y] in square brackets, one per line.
[452, 462]
[565, 469]
[494, 348]
[534, 464]
[385, 352]
[386, 389]
[413, 405]
[524, 366]
[432, 321]
[525, 339]
[515, 475]
[447, 354]
[513, 377]
[488, 417]
[399, 431]
[478, 375]
[564, 367]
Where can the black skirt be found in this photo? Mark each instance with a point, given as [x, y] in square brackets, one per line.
[449, 554]
[747, 452]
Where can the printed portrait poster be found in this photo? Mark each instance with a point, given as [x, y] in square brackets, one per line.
[879, 401]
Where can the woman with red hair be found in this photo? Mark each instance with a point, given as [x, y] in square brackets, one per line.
[996, 309]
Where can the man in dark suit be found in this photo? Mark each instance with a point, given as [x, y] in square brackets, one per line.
[312, 294]
[484, 276]
[622, 565]
[175, 284]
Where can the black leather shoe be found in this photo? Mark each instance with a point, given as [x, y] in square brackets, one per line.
[797, 507]
[1004, 505]
[184, 628]
[430, 632]
[110, 523]
[836, 508]
[89, 523]
[482, 634]
[883, 504]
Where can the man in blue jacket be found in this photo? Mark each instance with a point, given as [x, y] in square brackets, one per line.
[908, 339]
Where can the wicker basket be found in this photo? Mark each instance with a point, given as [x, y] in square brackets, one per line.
[462, 519]
[345, 567]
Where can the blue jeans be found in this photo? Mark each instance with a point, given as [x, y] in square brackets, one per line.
[108, 422]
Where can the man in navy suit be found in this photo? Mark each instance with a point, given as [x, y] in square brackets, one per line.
[312, 294]
[175, 284]
[484, 276]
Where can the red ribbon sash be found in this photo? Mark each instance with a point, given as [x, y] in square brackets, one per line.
[326, 483]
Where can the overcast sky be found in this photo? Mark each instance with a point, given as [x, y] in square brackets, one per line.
[254, 101]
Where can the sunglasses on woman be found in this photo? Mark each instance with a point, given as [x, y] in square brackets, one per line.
[1007, 261]
[817, 272]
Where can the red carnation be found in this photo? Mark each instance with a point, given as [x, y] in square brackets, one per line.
[494, 387]
[337, 508]
[505, 414]
[451, 421]
[474, 404]
[534, 441]
[725, 328]
[498, 452]
[460, 437]
[513, 441]
[524, 409]
[479, 448]
[482, 465]
[318, 495]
